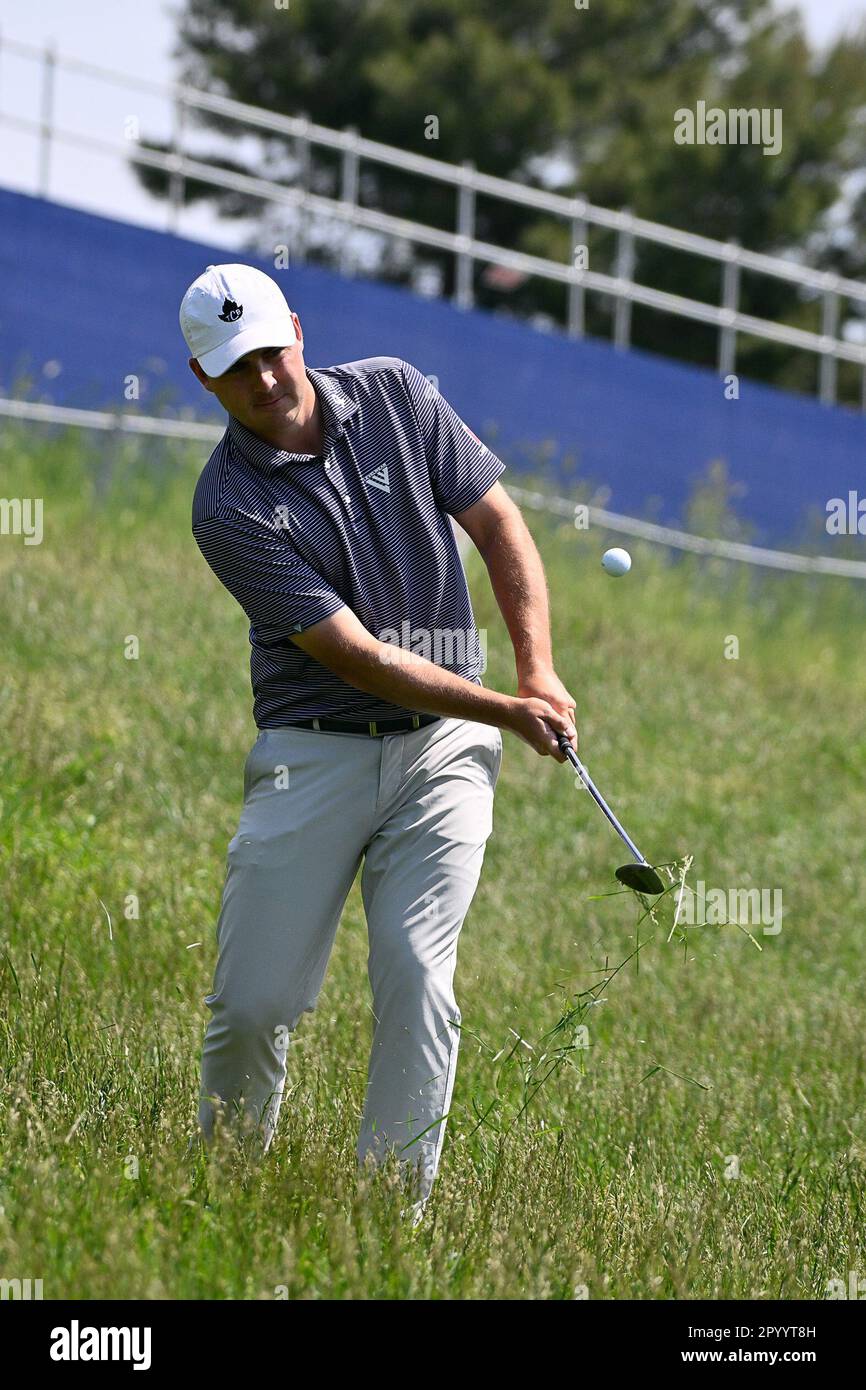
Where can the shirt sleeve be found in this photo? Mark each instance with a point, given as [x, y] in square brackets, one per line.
[278, 590]
[462, 469]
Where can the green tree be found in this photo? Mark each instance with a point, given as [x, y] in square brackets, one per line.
[580, 100]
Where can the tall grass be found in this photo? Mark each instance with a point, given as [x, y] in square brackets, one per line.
[704, 1137]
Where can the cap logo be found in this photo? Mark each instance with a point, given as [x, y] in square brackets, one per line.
[231, 311]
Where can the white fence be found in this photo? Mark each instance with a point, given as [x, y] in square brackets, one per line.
[121, 422]
[467, 183]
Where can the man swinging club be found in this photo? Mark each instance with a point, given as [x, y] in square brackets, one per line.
[325, 511]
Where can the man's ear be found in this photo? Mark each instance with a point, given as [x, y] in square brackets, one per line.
[202, 375]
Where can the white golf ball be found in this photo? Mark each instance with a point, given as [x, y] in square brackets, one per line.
[616, 561]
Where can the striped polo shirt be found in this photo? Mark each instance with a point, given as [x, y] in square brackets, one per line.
[295, 537]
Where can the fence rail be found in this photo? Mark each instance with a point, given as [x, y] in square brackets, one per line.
[123, 422]
[468, 251]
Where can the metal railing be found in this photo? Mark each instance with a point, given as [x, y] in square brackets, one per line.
[123, 422]
[462, 243]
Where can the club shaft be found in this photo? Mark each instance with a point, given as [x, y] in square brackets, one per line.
[599, 799]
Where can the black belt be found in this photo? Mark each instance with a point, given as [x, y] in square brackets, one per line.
[373, 727]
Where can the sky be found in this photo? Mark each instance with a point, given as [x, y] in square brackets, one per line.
[137, 37]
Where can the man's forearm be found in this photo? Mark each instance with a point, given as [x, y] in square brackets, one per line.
[518, 582]
[404, 678]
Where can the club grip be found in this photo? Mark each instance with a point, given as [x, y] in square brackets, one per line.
[565, 746]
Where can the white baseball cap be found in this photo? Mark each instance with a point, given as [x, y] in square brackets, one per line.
[231, 309]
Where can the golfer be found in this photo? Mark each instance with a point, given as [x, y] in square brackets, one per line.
[324, 510]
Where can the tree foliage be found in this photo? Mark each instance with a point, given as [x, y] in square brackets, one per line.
[582, 100]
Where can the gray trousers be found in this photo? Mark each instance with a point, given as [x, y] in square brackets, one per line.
[417, 807]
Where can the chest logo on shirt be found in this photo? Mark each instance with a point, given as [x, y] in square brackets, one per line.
[379, 478]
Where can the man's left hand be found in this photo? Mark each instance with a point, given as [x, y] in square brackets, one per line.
[546, 685]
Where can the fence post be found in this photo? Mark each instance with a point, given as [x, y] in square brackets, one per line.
[177, 182]
[349, 194]
[829, 329]
[46, 119]
[466, 231]
[305, 162]
[624, 271]
[576, 294]
[727, 356]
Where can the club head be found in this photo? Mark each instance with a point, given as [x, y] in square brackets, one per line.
[642, 877]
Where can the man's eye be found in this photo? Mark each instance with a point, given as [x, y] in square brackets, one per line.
[240, 365]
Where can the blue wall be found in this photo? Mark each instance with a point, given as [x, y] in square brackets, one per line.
[100, 297]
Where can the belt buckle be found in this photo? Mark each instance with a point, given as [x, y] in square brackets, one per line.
[374, 732]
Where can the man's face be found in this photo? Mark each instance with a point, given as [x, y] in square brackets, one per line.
[265, 389]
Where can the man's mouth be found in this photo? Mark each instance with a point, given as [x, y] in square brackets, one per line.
[266, 405]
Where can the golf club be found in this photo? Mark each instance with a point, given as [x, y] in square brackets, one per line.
[640, 875]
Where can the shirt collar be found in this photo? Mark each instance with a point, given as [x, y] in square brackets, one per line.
[336, 409]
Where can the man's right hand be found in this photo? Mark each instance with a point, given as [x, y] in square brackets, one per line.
[535, 722]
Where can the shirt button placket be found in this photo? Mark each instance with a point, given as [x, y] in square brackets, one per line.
[338, 482]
